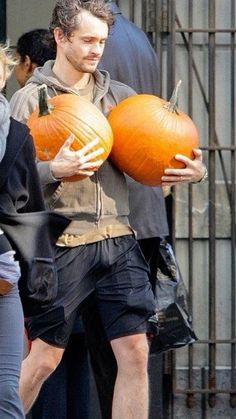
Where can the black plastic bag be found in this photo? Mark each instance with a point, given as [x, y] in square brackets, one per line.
[172, 317]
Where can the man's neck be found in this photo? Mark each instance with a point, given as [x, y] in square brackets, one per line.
[71, 77]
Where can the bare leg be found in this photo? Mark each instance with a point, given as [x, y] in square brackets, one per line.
[131, 389]
[36, 368]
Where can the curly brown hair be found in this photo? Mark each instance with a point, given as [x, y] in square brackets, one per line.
[66, 12]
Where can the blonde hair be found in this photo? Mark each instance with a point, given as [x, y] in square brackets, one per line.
[7, 60]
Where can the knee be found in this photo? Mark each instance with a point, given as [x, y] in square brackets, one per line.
[137, 355]
[46, 366]
[133, 353]
[43, 363]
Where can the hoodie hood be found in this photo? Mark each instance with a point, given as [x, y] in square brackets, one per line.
[45, 75]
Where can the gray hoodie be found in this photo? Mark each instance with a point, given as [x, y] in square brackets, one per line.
[97, 203]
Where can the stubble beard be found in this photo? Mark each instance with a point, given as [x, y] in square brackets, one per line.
[81, 67]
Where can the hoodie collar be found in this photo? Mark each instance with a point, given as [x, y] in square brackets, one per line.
[45, 75]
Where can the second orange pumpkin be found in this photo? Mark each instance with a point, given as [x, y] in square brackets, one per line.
[148, 132]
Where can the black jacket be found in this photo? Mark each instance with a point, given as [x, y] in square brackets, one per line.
[20, 189]
[31, 231]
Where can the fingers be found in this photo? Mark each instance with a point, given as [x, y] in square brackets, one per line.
[84, 150]
[91, 165]
[187, 161]
[88, 170]
[175, 179]
[65, 148]
[183, 159]
[85, 161]
[69, 141]
[192, 172]
[91, 156]
[197, 154]
[85, 172]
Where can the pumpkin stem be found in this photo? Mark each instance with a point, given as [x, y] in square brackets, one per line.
[172, 105]
[44, 107]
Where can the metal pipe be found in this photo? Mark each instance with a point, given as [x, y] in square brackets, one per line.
[144, 15]
[212, 215]
[131, 10]
[190, 401]
[233, 202]
[216, 145]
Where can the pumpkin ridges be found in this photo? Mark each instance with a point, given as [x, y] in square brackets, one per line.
[86, 131]
[70, 114]
[143, 122]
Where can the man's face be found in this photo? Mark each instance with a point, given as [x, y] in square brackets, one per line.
[84, 48]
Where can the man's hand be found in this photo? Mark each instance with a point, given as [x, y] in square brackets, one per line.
[193, 171]
[82, 162]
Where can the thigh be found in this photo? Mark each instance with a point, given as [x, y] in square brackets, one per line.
[124, 295]
[55, 322]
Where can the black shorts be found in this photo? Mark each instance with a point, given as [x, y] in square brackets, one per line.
[115, 272]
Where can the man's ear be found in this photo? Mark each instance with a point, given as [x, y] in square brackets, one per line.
[59, 36]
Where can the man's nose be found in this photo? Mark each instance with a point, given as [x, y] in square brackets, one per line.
[97, 48]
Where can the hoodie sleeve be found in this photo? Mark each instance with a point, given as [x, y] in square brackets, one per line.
[23, 103]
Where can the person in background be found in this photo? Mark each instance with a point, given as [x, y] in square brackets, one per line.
[33, 49]
[21, 201]
[107, 274]
[11, 313]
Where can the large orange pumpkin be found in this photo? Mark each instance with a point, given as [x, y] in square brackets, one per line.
[148, 132]
[56, 118]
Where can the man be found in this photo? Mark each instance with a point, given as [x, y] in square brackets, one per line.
[103, 257]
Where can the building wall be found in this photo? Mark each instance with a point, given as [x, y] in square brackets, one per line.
[22, 16]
